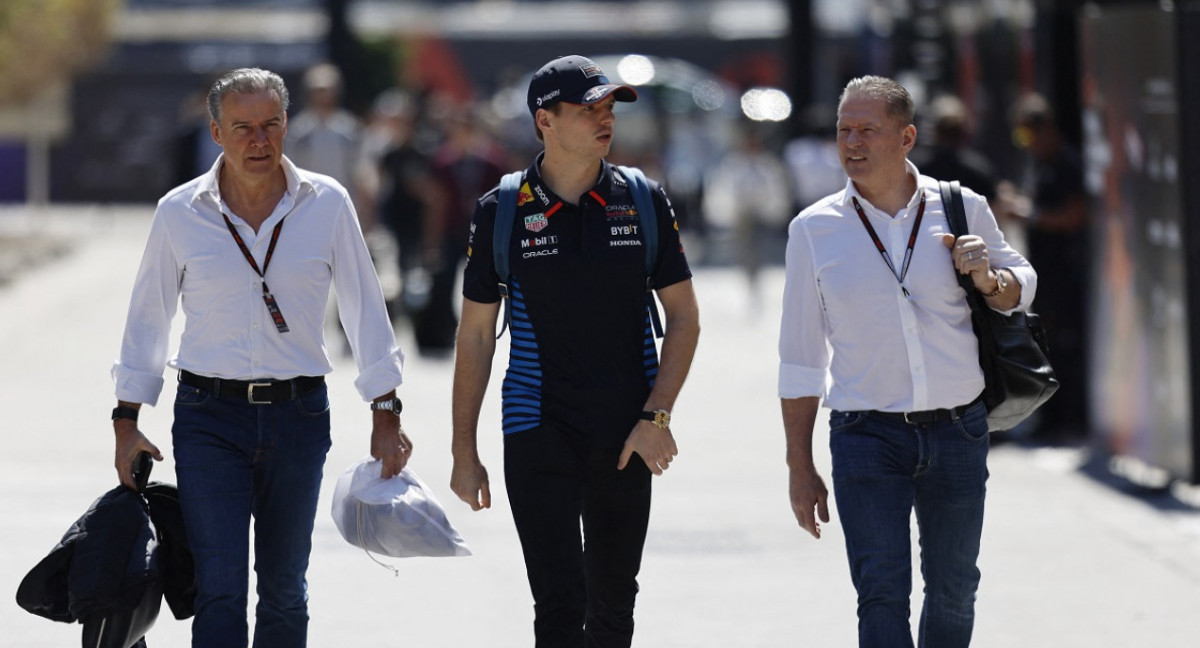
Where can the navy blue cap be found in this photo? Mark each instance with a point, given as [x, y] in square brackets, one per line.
[573, 79]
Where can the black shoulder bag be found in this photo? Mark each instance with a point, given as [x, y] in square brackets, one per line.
[1012, 348]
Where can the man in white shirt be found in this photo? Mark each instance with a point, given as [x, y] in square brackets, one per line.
[251, 427]
[872, 303]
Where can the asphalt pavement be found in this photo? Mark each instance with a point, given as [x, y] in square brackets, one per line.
[1071, 557]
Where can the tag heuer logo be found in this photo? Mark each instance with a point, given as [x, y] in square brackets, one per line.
[536, 223]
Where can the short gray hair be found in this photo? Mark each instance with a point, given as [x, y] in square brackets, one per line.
[898, 102]
[245, 80]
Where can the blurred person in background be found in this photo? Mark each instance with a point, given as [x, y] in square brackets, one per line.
[251, 419]
[1051, 203]
[466, 165]
[747, 193]
[951, 157]
[585, 389]
[876, 325]
[324, 137]
[407, 196]
[812, 158]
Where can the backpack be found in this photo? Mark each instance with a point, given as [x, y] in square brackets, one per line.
[506, 210]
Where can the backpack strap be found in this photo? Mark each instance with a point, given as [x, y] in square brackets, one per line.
[643, 201]
[506, 212]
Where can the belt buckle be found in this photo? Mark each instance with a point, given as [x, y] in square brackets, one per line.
[910, 421]
[250, 393]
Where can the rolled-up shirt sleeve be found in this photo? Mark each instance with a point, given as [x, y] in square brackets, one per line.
[803, 351]
[363, 311]
[138, 373]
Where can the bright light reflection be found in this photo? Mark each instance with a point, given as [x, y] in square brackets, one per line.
[766, 104]
[636, 70]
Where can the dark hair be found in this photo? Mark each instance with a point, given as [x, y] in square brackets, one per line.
[245, 80]
[898, 102]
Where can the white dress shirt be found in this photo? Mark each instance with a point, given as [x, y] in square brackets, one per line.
[192, 259]
[851, 336]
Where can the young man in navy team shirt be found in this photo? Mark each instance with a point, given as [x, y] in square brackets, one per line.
[585, 389]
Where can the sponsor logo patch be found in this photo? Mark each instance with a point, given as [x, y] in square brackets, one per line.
[524, 195]
[620, 211]
[542, 195]
[548, 96]
[536, 223]
[539, 241]
[591, 70]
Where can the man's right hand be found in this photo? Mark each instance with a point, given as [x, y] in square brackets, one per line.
[130, 442]
[469, 480]
[807, 491]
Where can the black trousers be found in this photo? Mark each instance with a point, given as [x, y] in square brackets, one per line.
[583, 587]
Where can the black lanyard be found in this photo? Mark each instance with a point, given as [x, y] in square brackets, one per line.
[268, 298]
[908, 251]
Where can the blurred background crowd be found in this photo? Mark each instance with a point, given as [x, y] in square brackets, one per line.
[418, 107]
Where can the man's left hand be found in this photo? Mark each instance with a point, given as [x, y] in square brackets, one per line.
[655, 446]
[389, 443]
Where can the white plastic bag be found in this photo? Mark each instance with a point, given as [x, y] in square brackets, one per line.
[396, 517]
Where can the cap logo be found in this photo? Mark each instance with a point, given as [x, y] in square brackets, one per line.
[595, 94]
[591, 70]
[548, 96]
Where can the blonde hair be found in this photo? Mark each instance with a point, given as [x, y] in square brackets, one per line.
[898, 102]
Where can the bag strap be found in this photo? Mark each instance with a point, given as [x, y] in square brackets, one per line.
[956, 216]
[643, 201]
[506, 212]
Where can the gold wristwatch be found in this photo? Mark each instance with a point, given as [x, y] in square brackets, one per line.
[660, 418]
[1001, 283]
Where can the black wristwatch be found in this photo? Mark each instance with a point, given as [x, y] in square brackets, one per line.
[392, 405]
[122, 412]
[660, 418]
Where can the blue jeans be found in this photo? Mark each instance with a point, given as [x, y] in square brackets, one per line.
[235, 461]
[883, 469]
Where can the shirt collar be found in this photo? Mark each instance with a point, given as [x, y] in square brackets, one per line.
[209, 187]
[546, 198]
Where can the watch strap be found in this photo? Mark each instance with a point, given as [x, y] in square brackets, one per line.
[1001, 283]
[393, 405]
[122, 412]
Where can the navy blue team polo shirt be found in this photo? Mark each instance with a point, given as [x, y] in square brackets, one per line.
[582, 354]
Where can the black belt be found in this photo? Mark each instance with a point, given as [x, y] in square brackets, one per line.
[255, 392]
[926, 417]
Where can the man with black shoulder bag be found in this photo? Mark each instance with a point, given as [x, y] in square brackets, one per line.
[876, 324]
